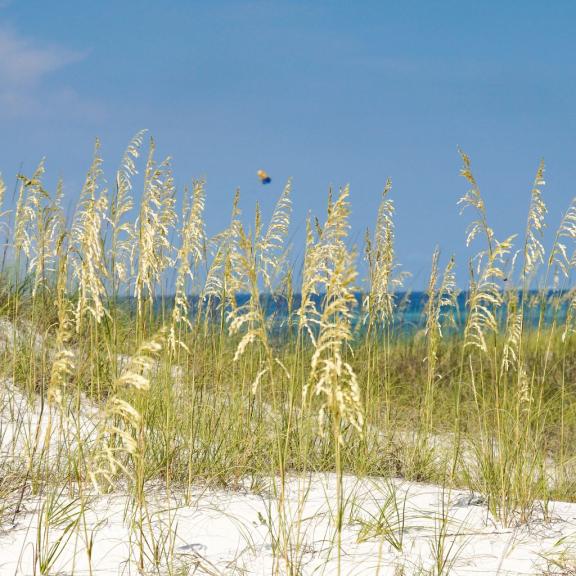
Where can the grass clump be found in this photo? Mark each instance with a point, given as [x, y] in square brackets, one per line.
[162, 355]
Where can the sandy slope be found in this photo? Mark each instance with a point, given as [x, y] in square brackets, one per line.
[227, 532]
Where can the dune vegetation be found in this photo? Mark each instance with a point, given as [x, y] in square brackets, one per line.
[138, 354]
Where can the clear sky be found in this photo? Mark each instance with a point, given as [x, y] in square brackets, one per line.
[326, 92]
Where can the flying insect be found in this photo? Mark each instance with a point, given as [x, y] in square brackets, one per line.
[264, 178]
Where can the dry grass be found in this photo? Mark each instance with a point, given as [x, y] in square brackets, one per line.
[198, 382]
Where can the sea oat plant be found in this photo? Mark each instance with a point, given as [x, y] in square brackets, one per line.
[257, 380]
[332, 380]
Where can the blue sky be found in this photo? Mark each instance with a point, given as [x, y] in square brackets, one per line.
[325, 92]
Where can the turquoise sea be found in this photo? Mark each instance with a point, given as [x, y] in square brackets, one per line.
[409, 310]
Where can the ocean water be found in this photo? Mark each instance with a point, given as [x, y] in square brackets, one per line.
[409, 310]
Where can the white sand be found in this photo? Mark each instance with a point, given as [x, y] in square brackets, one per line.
[227, 532]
